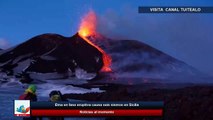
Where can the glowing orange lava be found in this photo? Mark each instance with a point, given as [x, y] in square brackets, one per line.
[88, 28]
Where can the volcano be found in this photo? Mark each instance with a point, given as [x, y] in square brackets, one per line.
[88, 53]
[52, 53]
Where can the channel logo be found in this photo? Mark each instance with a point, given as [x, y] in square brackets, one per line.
[22, 108]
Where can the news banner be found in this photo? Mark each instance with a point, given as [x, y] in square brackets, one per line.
[175, 9]
[92, 109]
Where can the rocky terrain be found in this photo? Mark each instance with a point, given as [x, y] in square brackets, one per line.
[184, 103]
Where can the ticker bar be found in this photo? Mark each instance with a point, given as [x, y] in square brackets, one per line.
[97, 105]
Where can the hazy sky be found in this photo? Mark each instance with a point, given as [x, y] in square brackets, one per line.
[188, 37]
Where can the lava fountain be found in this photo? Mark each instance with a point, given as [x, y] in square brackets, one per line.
[88, 28]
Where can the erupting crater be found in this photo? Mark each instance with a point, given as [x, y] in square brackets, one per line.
[87, 28]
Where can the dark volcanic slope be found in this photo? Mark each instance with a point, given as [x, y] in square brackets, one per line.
[52, 53]
[140, 59]
[130, 58]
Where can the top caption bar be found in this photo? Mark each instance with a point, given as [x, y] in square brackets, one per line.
[173, 9]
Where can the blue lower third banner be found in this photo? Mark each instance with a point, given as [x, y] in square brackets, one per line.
[71, 109]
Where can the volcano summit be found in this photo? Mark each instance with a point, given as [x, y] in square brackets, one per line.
[52, 53]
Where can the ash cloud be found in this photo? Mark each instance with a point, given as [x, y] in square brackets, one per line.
[4, 44]
[187, 37]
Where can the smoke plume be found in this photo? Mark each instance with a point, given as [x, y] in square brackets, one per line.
[187, 37]
[4, 44]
